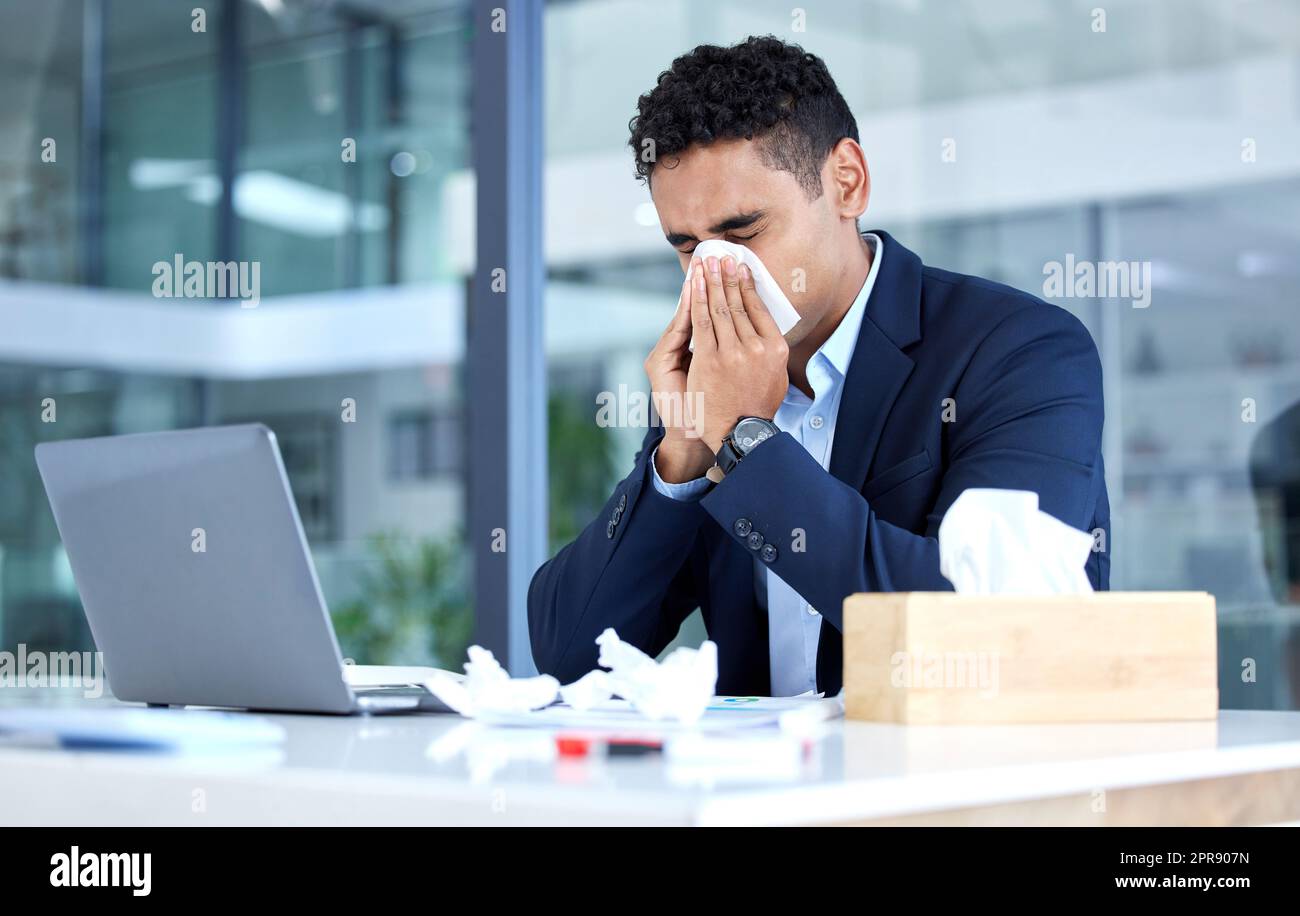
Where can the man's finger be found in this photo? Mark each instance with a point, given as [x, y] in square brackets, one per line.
[701, 319]
[672, 342]
[682, 317]
[723, 327]
[679, 326]
[731, 287]
[758, 314]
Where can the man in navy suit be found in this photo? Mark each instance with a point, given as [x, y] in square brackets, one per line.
[818, 463]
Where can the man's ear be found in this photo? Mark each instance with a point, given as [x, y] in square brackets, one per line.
[847, 180]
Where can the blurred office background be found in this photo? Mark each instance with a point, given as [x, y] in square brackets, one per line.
[1167, 132]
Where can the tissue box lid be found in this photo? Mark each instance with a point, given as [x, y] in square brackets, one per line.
[939, 657]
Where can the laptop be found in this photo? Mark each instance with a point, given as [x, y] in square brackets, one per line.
[196, 578]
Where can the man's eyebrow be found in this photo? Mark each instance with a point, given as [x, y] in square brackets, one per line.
[738, 222]
[731, 223]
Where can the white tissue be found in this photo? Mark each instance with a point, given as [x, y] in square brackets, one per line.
[680, 687]
[998, 542]
[488, 688]
[592, 689]
[782, 312]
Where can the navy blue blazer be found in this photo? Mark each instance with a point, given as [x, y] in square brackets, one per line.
[1025, 381]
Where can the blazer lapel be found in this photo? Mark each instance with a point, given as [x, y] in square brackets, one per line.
[879, 367]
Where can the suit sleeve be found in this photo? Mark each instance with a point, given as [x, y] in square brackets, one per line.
[1029, 418]
[630, 569]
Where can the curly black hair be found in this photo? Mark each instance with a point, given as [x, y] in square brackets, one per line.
[762, 88]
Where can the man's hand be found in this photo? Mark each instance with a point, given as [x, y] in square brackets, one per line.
[682, 456]
[739, 368]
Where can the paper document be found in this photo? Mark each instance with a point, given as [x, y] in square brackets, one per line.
[722, 714]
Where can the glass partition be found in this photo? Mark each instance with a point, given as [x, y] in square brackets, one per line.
[349, 121]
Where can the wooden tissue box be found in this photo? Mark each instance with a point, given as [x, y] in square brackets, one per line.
[930, 658]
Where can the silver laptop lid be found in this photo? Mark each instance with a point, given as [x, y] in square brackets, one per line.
[193, 569]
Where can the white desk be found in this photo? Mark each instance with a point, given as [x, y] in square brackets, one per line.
[1244, 768]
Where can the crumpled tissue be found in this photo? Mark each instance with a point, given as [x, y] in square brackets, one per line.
[782, 312]
[680, 687]
[998, 542]
[487, 687]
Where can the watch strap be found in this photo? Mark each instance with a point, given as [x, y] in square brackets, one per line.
[728, 456]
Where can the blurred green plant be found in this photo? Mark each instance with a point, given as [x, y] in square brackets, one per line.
[581, 469]
[412, 604]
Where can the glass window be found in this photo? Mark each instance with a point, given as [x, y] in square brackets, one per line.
[351, 120]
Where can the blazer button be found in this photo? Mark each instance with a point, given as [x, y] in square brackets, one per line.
[768, 553]
[742, 527]
[609, 529]
[755, 541]
[622, 503]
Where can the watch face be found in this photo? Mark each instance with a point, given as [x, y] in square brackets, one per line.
[751, 431]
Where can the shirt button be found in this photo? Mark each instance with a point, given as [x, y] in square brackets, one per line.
[812, 611]
[755, 541]
[742, 527]
[816, 421]
[768, 553]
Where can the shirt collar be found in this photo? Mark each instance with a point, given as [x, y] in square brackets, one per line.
[839, 347]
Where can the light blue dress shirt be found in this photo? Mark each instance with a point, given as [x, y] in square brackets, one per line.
[793, 626]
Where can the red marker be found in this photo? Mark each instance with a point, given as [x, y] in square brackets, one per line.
[578, 744]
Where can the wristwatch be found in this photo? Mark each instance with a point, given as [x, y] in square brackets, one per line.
[743, 439]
